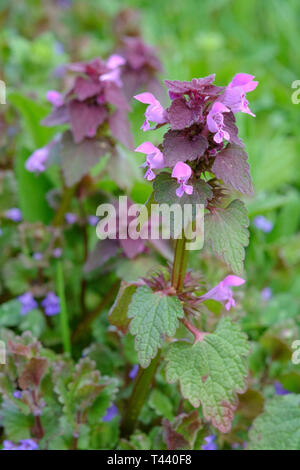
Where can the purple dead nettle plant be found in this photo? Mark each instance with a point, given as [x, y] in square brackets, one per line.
[201, 160]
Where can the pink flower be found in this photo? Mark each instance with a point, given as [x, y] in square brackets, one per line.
[182, 172]
[222, 292]
[215, 122]
[235, 94]
[154, 159]
[113, 63]
[154, 112]
[55, 98]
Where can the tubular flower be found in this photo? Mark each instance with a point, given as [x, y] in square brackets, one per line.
[223, 292]
[154, 159]
[235, 94]
[215, 122]
[182, 172]
[154, 112]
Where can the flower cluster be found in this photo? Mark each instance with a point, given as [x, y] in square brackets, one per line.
[94, 101]
[201, 117]
[50, 303]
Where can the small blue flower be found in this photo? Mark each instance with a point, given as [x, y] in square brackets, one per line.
[262, 223]
[111, 412]
[133, 373]
[210, 444]
[51, 304]
[28, 303]
[13, 214]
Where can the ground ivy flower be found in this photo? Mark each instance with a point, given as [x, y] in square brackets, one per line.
[210, 444]
[37, 256]
[111, 412]
[262, 223]
[57, 252]
[235, 94]
[17, 394]
[55, 98]
[134, 371]
[27, 302]
[51, 304]
[93, 220]
[13, 214]
[223, 292]
[182, 172]
[154, 112]
[154, 159]
[215, 122]
[266, 293]
[24, 444]
[70, 218]
[279, 390]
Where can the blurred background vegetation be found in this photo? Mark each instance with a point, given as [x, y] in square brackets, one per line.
[193, 38]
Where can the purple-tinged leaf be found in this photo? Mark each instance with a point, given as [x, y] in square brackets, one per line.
[57, 117]
[180, 115]
[120, 128]
[180, 146]
[231, 128]
[231, 166]
[197, 84]
[103, 251]
[86, 88]
[85, 119]
[115, 96]
[78, 159]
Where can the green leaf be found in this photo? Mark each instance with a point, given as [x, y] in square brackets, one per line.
[17, 425]
[161, 404]
[10, 313]
[227, 234]
[278, 427]
[165, 191]
[32, 191]
[118, 313]
[212, 371]
[153, 316]
[33, 321]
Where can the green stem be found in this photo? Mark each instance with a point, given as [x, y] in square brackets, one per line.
[64, 205]
[138, 396]
[145, 376]
[179, 264]
[64, 323]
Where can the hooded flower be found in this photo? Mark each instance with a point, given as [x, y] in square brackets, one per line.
[36, 163]
[55, 98]
[154, 112]
[235, 94]
[215, 122]
[154, 159]
[222, 292]
[182, 172]
[51, 304]
[279, 389]
[113, 63]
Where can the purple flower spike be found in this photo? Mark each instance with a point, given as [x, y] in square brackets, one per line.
[70, 218]
[111, 412]
[182, 172]
[14, 214]
[223, 293]
[51, 304]
[279, 390]
[215, 122]
[154, 112]
[210, 444]
[28, 303]
[93, 220]
[235, 94]
[133, 373]
[262, 223]
[154, 159]
[55, 98]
